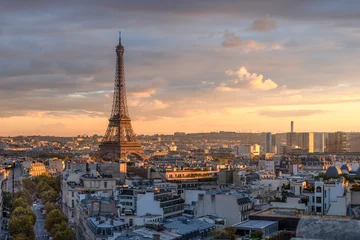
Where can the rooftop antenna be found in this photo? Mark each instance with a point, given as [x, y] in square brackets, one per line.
[120, 37]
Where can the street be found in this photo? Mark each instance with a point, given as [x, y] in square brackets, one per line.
[18, 171]
[40, 231]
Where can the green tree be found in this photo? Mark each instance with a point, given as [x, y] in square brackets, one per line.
[50, 206]
[20, 211]
[41, 187]
[29, 185]
[22, 225]
[48, 196]
[54, 217]
[256, 234]
[20, 236]
[8, 200]
[25, 194]
[19, 202]
[67, 234]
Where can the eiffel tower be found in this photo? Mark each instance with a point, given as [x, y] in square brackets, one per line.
[119, 140]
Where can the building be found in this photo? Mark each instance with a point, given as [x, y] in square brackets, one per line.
[300, 141]
[36, 169]
[267, 227]
[233, 208]
[81, 178]
[337, 142]
[159, 202]
[267, 165]
[96, 218]
[319, 142]
[57, 164]
[270, 142]
[248, 150]
[328, 197]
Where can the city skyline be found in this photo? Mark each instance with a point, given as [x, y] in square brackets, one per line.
[239, 68]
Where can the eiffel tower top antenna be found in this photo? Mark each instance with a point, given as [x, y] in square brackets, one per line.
[119, 37]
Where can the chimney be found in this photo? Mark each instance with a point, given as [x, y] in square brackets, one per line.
[292, 126]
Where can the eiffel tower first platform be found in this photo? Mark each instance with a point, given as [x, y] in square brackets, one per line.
[119, 140]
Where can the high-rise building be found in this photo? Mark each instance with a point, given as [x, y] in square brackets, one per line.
[300, 141]
[292, 126]
[319, 142]
[270, 142]
[337, 142]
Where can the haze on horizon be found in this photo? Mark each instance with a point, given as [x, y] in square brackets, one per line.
[190, 66]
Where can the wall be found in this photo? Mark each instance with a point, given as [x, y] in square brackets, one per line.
[147, 205]
[223, 206]
[192, 195]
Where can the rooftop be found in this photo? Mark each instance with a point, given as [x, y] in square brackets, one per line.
[255, 224]
[288, 213]
[185, 225]
[104, 222]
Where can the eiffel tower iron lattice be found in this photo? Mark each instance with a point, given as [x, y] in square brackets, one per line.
[119, 140]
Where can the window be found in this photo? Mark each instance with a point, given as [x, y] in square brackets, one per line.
[72, 194]
[313, 199]
[318, 189]
[318, 199]
[105, 184]
[318, 209]
[324, 193]
[72, 203]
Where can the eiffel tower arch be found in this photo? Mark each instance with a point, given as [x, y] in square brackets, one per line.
[119, 140]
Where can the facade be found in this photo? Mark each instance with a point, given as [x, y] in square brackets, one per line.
[163, 203]
[270, 142]
[248, 150]
[58, 165]
[96, 218]
[37, 169]
[300, 141]
[82, 178]
[330, 197]
[337, 142]
[237, 208]
[267, 165]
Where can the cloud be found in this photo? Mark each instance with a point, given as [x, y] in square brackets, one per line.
[276, 46]
[246, 80]
[231, 40]
[148, 104]
[289, 113]
[263, 25]
[146, 90]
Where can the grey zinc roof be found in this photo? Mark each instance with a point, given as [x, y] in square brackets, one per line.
[186, 227]
[255, 224]
[333, 171]
[325, 228]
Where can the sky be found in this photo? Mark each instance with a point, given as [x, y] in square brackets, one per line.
[190, 66]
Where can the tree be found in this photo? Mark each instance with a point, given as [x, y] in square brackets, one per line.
[54, 217]
[20, 236]
[226, 233]
[22, 225]
[25, 194]
[256, 234]
[8, 200]
[42, 186]
[29, 185]
[20, 211]
[68, 234]
[19, 202]
[48, 196]
[50, 206]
